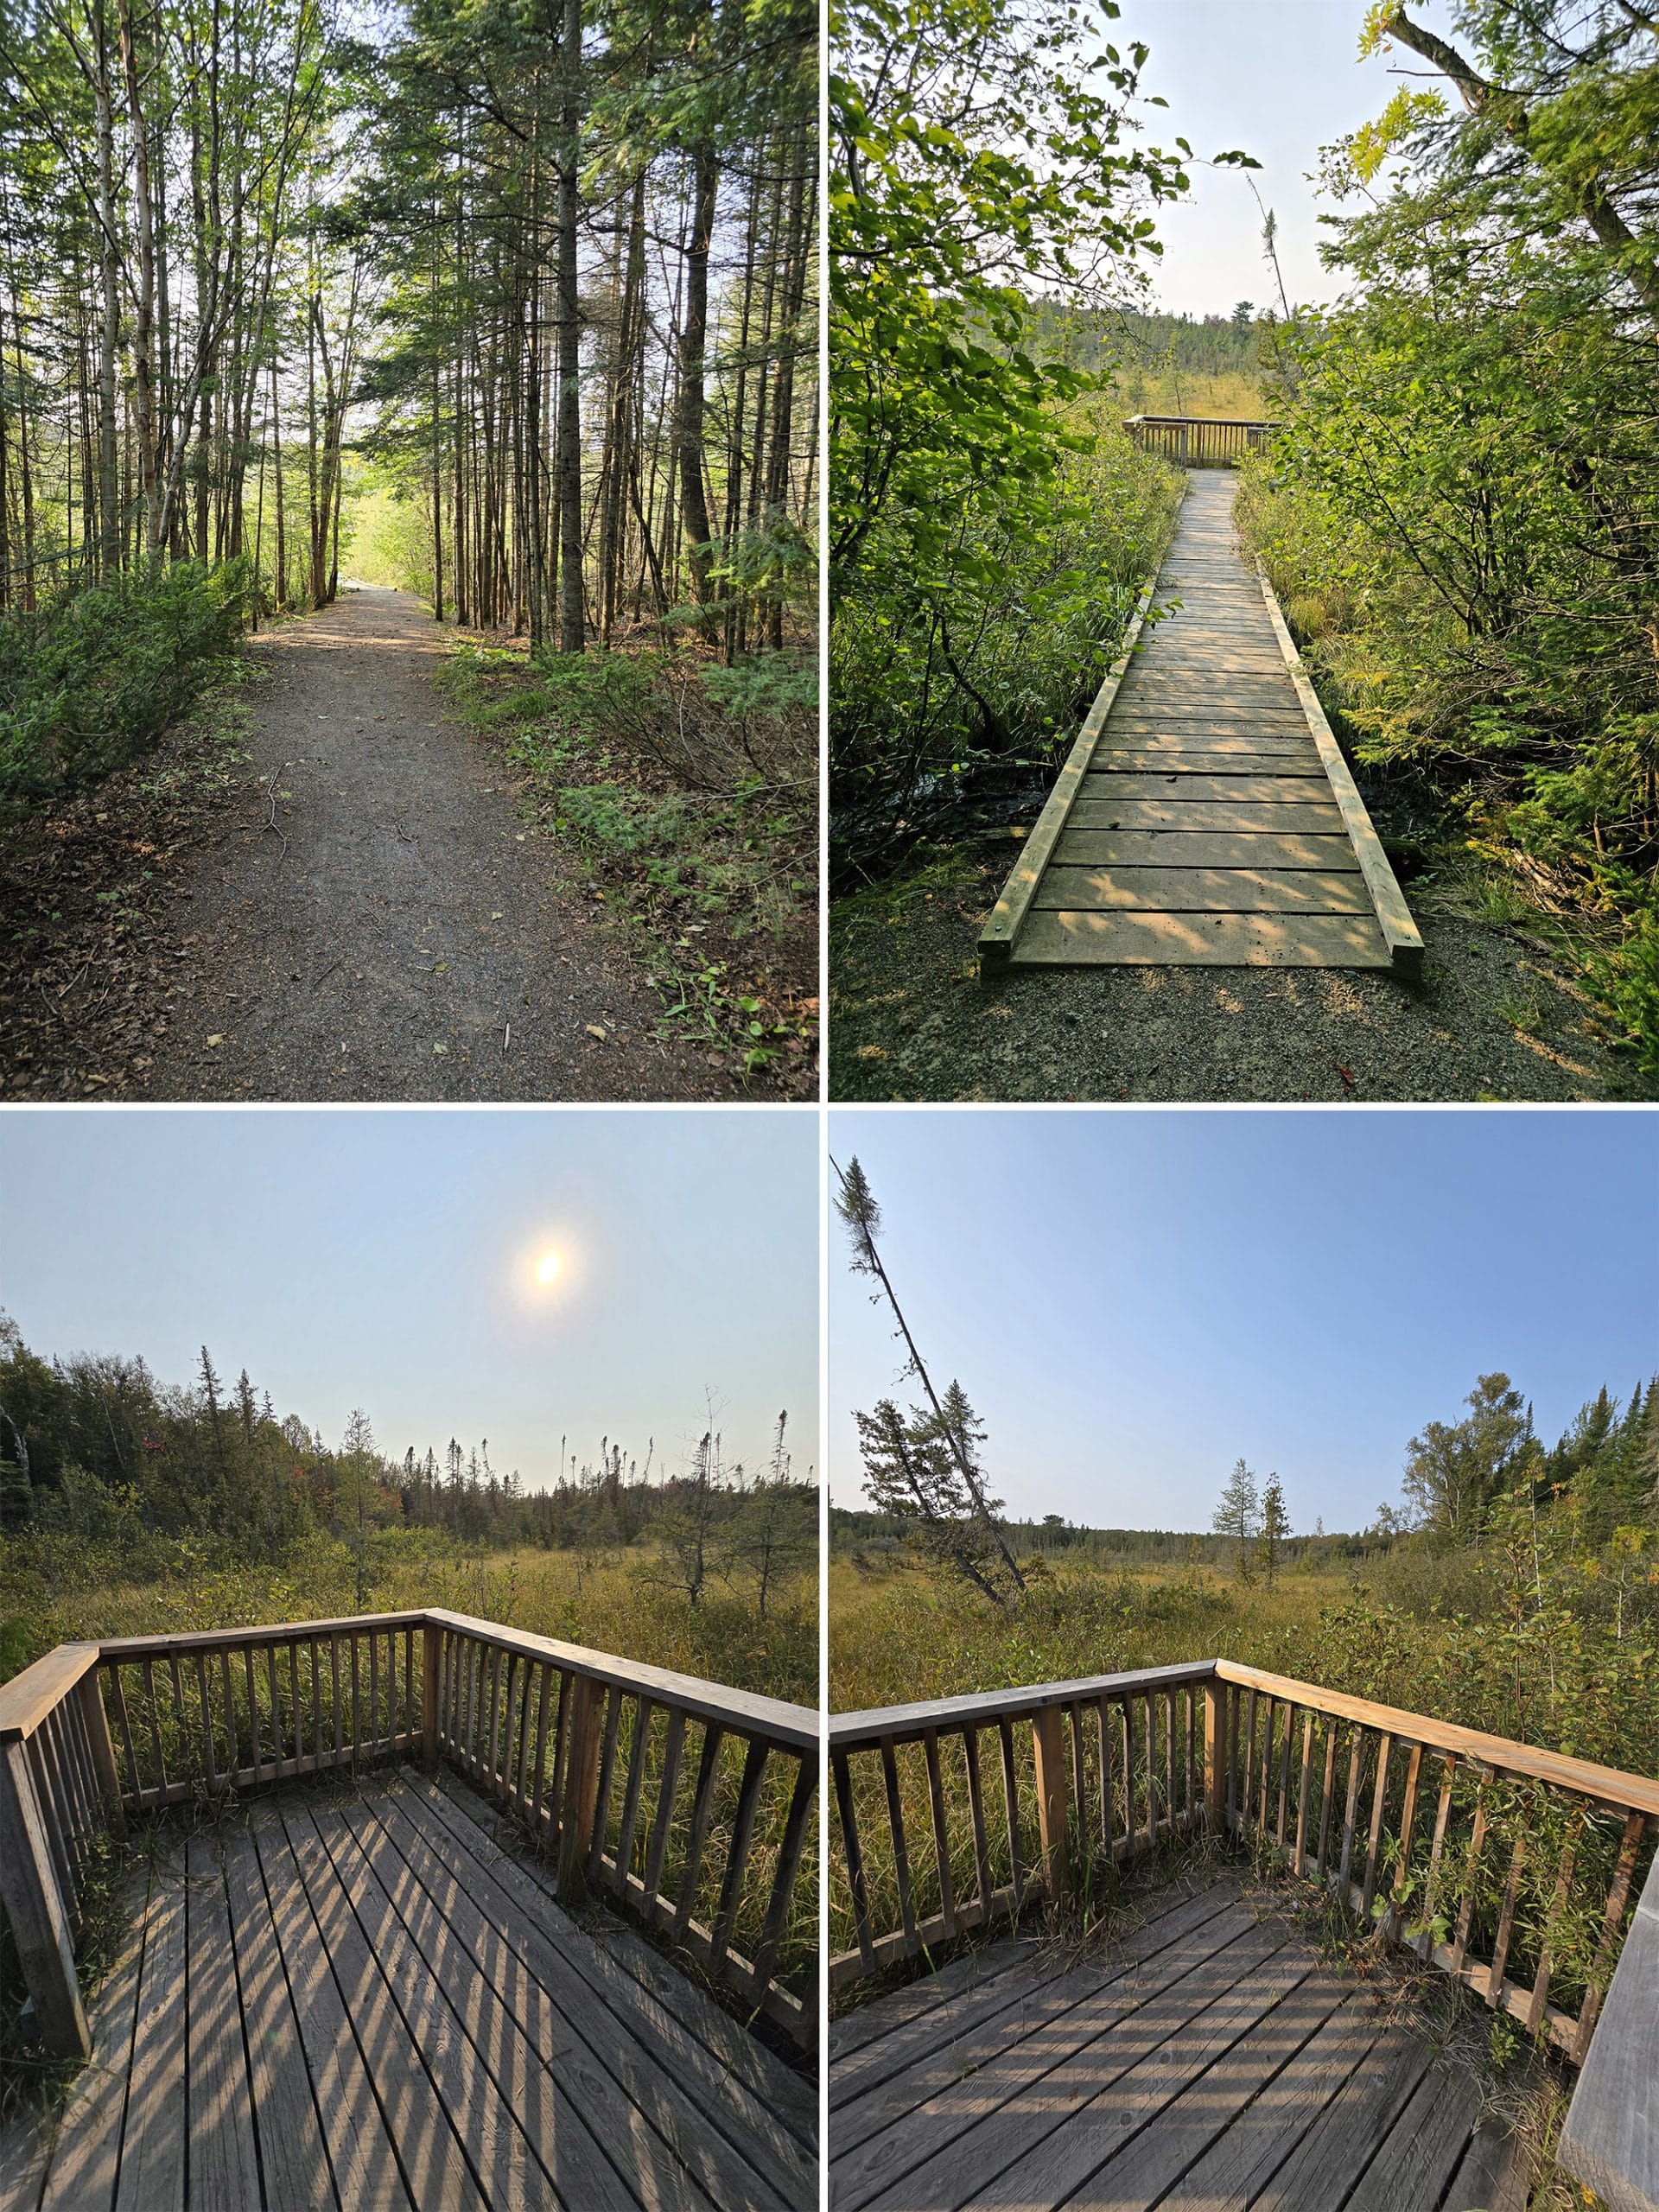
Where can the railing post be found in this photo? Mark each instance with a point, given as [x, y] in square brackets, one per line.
[40, 1927]
[576, 1813]
[1215, 1758]
[431, 1662]
[1049, 1745]
[97, 1723]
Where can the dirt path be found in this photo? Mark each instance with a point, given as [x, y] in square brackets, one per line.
[397, 933]
[1494, 1018]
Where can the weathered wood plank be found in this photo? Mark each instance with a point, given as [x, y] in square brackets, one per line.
[291, 2150]
[1610, 2138]
[729, 2132]
[1183, 848]
[633, 1981]
[1312, 818]
[153, 2138]
[1204, 891]
[223, 2163]
[1070, 939]
[87, 2156]
[1106, 788]
[1127, 758]
[354, 2129]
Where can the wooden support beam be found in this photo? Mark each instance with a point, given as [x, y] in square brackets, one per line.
[90, 1693]
[1048, 1739]
[576, 1811]
[431, 1665]
[35, 1907]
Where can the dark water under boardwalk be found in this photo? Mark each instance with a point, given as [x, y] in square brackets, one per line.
[1211, 2059]
[359, 2001]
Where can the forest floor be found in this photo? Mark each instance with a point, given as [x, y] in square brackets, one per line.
[1497, 1015]
[350, 909]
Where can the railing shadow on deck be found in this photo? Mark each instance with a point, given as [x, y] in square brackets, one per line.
[1199, 441]
[685, 1804]
[1511, 1870]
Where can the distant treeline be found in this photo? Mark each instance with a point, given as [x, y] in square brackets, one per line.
[1108, 341]
[94, 1448]
[1054, 1537]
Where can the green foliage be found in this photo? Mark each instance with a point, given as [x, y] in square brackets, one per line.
[985, 542]
[1462, 510]
[94, 677]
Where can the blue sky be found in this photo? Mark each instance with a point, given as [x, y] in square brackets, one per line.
[386, 1260]
[1134, 1300]
[1276, 79]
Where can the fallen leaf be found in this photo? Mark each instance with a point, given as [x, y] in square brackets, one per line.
[439, 1048]
[593, 1029]
[216, 1040]
[1347, 1075]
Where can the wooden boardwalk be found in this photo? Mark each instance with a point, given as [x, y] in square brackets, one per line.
[1207, 2060]
[359, 2001]
[1205, 815]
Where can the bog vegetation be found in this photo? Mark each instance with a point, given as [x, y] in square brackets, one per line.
[1458, 511]
[132, 1507]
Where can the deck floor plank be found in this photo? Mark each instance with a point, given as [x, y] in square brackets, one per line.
[1225, 2069]
[153, 2137]
[293, 2158]
[361, 2000]
[223, 2164]
[515, 2000]
[1208, 731]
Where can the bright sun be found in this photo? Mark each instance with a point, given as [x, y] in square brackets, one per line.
[547, 1267]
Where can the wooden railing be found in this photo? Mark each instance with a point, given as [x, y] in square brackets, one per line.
[686, 1803]
[1196, 441]
[1508, 1868]
[976, 1806]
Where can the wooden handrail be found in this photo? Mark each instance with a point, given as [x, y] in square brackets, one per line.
[795, 1726]
[234, 1639]
[1604, 1785]
[903, 1724]
[27, 1699]
[1206, 421]
[1610, 2139]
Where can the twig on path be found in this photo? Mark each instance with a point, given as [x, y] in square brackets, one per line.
[270, 822]
[507, 1037]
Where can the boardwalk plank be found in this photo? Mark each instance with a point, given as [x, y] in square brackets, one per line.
[512, 2006]
[223, 2163]
[428, 2152]
[922, 2118]
[1233, 818]
[87, 2155]
[427, 2018]
[1105, 787]
[1415, 2161]
[1210, 729]
[1013, 2118]
[660, 1996]
[1054, 938]
[291, 2149]
[731, 2138]
[927, 2054]
[152, 2142]
[1185, 848]
[365, 2169]
[857, 2030]
[1160, 2118]
[1206, 890]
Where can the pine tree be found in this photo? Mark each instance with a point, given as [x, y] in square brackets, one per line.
[1237, 1515]
[1275, 1527]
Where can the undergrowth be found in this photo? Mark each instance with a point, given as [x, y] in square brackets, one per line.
[688, 793]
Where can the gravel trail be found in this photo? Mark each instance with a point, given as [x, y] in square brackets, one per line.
[382, 924]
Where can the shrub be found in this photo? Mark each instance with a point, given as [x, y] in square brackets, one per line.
[93, 679]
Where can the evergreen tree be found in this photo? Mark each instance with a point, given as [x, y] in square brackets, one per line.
[1237, 1515]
